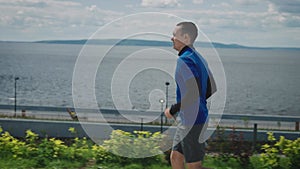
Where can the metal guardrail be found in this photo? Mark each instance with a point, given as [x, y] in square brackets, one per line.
[64, 109]
[245, 117]
[260, 117]
[273, 118]
[115, 112]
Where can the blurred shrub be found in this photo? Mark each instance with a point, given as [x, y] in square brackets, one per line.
[139, 147]
[280, 154]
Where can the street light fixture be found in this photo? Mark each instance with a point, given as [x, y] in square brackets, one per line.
[16, 78]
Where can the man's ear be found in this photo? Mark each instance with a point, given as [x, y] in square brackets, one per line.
[186, 38]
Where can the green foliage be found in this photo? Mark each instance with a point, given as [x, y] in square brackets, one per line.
[101, 155]
[13, 163]
[217, 163]
[72, 130]
[51, 151]
[280, 154]
[81, 149]
[34, 152]
[44, 151]
[231, 147]
[290, 149]
[256, 163]
[133, 166]
[138, 147]
[10, 146]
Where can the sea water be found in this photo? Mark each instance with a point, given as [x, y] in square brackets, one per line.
[259, 81]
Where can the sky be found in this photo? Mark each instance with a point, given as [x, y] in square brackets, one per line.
[261, 23]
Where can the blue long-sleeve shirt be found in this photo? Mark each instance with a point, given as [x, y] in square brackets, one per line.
[192, 80]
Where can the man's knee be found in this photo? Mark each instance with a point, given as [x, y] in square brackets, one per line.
[176, 157]
[196, 165]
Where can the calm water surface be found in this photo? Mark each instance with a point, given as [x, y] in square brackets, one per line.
[259, 81]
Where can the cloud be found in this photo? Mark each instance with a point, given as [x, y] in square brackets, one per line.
[234, 20]
[160, 3]
[287, 12]
[30, 13]
[260, 17]
[198, 1]
[247, 2]
[231, 20]
[287, 6]
[38, 3]
[91, 8]
[243, 25]
[293, 21]
[54, 19]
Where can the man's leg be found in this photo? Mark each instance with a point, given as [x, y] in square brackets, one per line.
[177, 160]
[195, 165]
[192, 148]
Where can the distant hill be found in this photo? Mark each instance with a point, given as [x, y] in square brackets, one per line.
[136, 42]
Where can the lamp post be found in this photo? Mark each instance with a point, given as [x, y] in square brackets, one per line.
[167, 84]
[161, 101]
[167, 97]
[16, 78]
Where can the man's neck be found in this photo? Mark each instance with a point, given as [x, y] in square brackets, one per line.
[179, 50]
[184, 48]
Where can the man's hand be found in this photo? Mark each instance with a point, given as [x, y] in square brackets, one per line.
[168, 114]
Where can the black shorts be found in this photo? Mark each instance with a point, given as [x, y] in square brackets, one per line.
[186, 141]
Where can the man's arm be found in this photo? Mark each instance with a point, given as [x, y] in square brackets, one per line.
[193, 85]
[211, 85]
[193, 92]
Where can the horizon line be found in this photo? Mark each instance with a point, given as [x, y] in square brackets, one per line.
[83, 41]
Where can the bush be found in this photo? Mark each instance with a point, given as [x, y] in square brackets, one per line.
[51, 151]
[281, 154]
[231, 147]
[10, 146]
[141, 147]
[101, 155]
[44, 151]
[33, 152]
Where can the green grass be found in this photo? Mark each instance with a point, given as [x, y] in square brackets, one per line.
[63, 164]
[6, 163]
[130, 166]
[215, 163]
[11, 163]
[211, 162]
